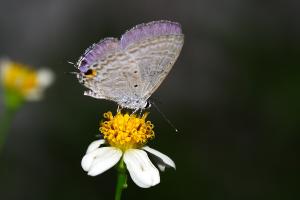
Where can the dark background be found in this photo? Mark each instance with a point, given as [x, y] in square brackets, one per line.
[233, 94]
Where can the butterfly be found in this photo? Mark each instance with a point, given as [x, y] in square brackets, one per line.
[129, 70]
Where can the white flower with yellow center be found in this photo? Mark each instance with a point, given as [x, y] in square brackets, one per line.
[21, 80]
[126, 136]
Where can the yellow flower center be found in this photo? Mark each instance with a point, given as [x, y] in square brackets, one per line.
[126, 131]
[19, 78]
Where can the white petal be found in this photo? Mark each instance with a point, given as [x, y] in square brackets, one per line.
[105, 158]
[161, 167]
[94, 145]
[167, 160]
[45, 77]
[88, 160]
[140, 168]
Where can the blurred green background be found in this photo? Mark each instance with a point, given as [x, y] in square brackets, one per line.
[233, 94]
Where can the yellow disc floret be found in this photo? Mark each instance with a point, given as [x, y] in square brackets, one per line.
[126, 131]
[19, 78]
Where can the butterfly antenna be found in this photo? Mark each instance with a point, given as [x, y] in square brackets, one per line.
[72, 63]
[156, 99]
[74, 73]
[165, 118]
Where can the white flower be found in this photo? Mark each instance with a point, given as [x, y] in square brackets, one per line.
[45, 78]
[24, 81]
[98, 159]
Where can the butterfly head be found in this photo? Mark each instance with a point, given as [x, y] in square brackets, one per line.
[85, 70]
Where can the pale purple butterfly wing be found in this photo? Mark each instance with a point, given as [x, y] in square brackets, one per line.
[130, 70]
[155, 46]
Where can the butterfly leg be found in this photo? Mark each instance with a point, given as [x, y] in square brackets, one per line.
[135, 111]
[119, 109]
[141, 112]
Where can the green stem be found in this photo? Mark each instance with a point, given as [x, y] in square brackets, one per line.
[122, 180]
[12, 102]
[5, 124]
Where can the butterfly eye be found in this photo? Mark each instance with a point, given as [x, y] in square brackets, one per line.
[83, 62]
[90, 73]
